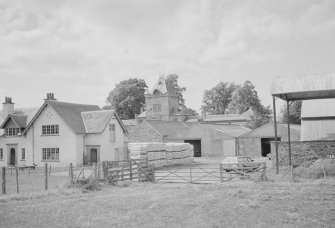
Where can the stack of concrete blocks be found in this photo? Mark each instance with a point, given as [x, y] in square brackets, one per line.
[161, 154]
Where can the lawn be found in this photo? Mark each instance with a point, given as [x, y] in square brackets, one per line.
[233, 204]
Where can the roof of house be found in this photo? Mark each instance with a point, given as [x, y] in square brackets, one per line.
[20, 120]
[131, 122]
[232, 130]
[227, 118]
[69, 112]
[171, 129]
[269, 127]
[316, 86]
[318, 108]
[96, 121]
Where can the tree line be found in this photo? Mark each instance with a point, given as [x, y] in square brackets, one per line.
[128, 99]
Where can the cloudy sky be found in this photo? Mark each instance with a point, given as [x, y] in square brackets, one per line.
[80, 49]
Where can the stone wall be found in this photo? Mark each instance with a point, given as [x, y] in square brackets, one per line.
[302, 151]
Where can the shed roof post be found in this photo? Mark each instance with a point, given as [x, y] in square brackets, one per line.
[276, 138]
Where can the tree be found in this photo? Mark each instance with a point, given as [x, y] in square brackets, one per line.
[295, 113]
[246, 97]
[175, 89]
[127, 97]
[217, 99]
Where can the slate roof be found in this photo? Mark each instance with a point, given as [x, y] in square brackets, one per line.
[96, 121]
[20, 120]
[229, 129]
[29, 112]
[171, 129]
[261, 131]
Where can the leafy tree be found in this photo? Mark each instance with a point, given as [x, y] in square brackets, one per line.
[295, 113]
[246, 97]
[127, 97]
[174, 88]
[216, 100]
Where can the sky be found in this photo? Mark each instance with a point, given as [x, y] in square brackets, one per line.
[80, 50]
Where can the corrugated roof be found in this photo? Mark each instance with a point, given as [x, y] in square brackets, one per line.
[317, 86]
[171, 129]
[262, 130]
[229, 129]
[71, 113]
[318, 108]
[96, 121]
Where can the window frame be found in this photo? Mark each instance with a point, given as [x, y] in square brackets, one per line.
[157, 107]
[50, 154]
[112, 132]
[50, 129]
[12, 131]
[23, 154]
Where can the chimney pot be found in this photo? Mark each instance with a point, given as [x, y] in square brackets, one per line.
[50, 96]
[8, 106]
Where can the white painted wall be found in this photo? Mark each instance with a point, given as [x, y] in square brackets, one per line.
[107, 148]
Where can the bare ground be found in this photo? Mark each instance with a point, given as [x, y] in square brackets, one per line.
[232, 204]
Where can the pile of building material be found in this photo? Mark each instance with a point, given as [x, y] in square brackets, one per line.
[162, 153]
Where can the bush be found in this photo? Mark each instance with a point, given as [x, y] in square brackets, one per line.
[89, 185]
[316, 169]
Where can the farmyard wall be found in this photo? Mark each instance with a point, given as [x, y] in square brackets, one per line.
[302, 151]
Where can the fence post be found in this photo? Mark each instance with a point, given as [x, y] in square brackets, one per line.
[46, 176]
[17, 179]
[71, 174]
[95, 170]
[104, 169]
[3, 180]
[292, 174]
[191, 174]
[130, 170]
[264, 177]
[221, 178]
[49, 170]
[324, 172]
[99, 170]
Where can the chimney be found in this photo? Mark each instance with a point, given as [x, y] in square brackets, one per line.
[8, 106]
[50, 96]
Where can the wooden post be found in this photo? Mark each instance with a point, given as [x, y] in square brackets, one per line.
[17, 179]
[288, 133]
[292, 174]
[191, 174]
[324, 172]
[221, 177]
[49, 170]
[99, 170]
[276, 137]
[95, 170]
[3, 180]
[46, 176]
[130, 170]
[264, 177]
[104, 169]
[71, 174]
[153, 173]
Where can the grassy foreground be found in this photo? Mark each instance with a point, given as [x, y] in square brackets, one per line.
[235, 204]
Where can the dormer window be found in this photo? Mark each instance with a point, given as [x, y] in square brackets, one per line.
[50, 129]
[12, 131]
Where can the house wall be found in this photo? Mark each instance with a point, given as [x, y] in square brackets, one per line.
[110, 151]
[66, 141]
[145, 133]
[317, 130]
[302, 151]
[6, 143]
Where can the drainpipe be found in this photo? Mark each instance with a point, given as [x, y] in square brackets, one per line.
[33, 133]
[84, 148]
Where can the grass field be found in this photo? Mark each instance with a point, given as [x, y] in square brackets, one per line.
[233, 204]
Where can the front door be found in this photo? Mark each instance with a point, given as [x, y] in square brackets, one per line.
[93, 155]
[12, 156]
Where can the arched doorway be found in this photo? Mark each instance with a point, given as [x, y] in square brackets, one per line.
[12, 156]
[93, 155]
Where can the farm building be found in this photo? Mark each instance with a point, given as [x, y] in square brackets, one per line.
[318, 120]
[214, 135]
[60, 133]
[257, 142]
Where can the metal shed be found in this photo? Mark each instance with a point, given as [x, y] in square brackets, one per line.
[306, 87]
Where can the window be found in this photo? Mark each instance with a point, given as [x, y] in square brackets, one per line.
[50, 154]
[50, 129]
[12, 131]
[23, 154]
[1, 154]
[112, 132]
[157, 108]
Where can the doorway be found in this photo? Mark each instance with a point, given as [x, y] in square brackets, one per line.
[266, 145]
[196, 145]
[93, 155]
[12, 160]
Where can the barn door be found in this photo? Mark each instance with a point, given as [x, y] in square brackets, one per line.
[196, 145]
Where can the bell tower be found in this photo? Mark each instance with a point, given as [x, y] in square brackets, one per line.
[161, 103]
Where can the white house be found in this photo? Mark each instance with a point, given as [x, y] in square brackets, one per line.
[60, 133]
